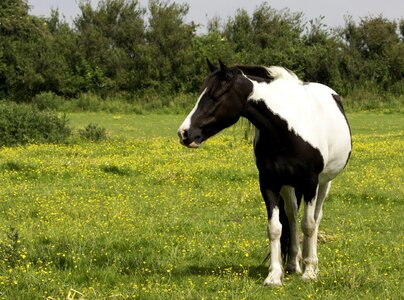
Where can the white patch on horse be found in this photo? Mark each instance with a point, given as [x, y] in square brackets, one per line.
[307, 110]
[186, 124]
[275, 275]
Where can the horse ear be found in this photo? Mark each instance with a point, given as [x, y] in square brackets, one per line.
[223, 67]
[210, 65]
[225, 72]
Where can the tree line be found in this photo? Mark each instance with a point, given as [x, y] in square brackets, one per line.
[121, 48]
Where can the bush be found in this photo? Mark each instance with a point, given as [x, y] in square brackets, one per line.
[48, 101]
[22, 124]
[147, 101]
[366, 99]
[88, 102]
[93, 133]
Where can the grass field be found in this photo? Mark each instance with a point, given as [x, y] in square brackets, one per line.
[140, 217]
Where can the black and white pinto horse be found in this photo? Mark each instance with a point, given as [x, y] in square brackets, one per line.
[302, 142]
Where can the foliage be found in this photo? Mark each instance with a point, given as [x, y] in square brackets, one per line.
[111, 41]
[377, 50]
[269, 37]
[120, 48]
[22, 124]
[141, 217]
[48, 101]
[170, 41]
[93, 133]
[10, 249]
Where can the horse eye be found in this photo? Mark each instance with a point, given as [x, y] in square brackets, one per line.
[213, 99]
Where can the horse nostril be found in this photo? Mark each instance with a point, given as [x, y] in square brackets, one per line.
[183, 134]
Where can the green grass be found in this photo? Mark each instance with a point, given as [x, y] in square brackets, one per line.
[129, 125]
[140, 217]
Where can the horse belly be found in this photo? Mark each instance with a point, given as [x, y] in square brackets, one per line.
[337, 150]
[333, 136]
[336, 161]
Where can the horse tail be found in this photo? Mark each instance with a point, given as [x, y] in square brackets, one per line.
[285, 236]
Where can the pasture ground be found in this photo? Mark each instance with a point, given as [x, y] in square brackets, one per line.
[140, 217]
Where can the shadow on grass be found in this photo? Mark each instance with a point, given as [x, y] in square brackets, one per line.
[254, 272]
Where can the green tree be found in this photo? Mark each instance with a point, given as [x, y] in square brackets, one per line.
[21, 50]
[277, 34]
[376, 49]
[401, 28]
[60, 45]
[320, 56]
[238, 32]
[267, 37]
[213, 46]
[112, 40]
[376, 35]
[170, 45]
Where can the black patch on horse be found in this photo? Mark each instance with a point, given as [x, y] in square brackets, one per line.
[282, 154]
[284, 158]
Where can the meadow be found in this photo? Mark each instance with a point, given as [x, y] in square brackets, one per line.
[138, 216]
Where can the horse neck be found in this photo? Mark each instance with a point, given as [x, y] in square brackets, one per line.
[264, 120]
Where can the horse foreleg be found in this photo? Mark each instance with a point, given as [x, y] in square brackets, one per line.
[275, 275]
[271, 198]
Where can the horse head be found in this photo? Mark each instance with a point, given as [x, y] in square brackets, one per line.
[220, 105]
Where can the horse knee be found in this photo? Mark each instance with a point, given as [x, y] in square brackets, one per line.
[274, 231]
[308, 226]
[274, 226]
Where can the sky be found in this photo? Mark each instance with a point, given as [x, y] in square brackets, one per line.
[201, 11]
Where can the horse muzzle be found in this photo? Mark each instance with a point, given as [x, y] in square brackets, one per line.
[187, 140]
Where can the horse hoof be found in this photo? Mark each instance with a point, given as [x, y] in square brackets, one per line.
[293, 269]
[271, 281]
[309, 275]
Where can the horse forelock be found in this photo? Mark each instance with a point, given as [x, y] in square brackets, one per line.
[218, 82]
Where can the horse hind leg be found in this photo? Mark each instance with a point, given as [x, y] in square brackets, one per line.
[310, 224]
[322, 194]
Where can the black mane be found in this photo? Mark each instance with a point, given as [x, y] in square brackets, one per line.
[215, 80]
[255, 71]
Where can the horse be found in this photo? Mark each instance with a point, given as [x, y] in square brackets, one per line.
[302, 141]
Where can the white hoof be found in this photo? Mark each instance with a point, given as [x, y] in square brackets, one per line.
[310, 274]
[273, 279]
